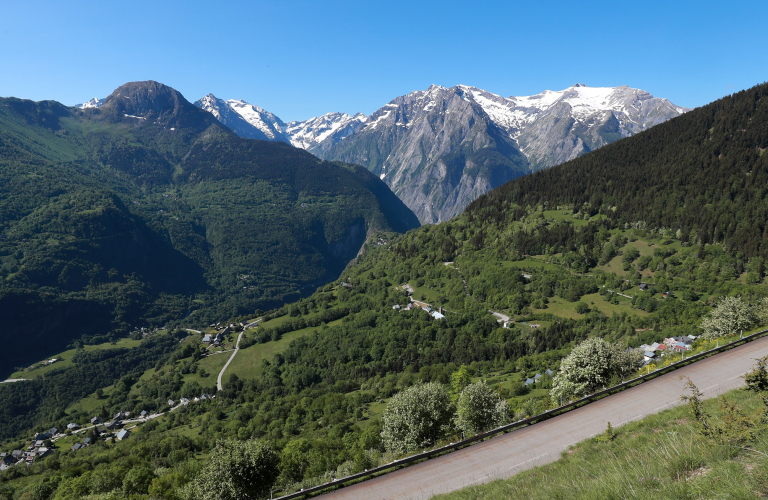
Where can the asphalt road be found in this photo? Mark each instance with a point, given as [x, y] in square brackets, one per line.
[221, 373]
[508, 454]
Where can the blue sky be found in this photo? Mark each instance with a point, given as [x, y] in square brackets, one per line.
[300, 59]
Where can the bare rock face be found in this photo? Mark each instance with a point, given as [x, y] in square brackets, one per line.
[439, 149]
[436, 149]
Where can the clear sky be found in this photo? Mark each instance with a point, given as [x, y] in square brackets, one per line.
[300, 59]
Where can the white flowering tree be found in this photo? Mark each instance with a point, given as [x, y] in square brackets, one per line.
[480, 408]
[235, 470]
[731, 315]
[590, 366]
[416, 418]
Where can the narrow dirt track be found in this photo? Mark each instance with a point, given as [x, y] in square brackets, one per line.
[508, 454]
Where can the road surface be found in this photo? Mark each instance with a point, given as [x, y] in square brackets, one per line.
[508, 454]
[501, 317]
[234, 353]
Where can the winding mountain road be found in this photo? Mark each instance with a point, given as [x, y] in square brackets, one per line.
[538, 444]
[234, 353]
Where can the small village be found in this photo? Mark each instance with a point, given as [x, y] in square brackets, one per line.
[118, 428]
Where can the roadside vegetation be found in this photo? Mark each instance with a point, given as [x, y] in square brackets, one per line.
[703, 449]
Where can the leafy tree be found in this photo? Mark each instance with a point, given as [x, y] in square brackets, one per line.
[416, 417]
[107, 477]
[295, 460]
[582, 307]
[236, 470]
[459, 380]
[590, 366]
[729, 316]
[137, 481]
[479, 408]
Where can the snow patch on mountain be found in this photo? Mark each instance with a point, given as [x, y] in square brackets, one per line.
[260, 118]
[93, 103]
[334, 126]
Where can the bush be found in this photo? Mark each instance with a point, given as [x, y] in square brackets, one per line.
[416, 418]
[236, 470]
[480, 408]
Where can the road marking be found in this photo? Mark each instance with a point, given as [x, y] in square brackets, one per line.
[532, 459]
[569, 445]
[662, 406]
[733, 378]
[711, 386]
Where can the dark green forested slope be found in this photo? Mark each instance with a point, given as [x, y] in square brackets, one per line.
[148, 209]
[705, 173]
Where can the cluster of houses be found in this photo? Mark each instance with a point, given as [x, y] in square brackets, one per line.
[655, 351]
[510, 323]
[42, 443]
[40, 447]
[218, 339]
[414, 304]
[536, 378]
[666, 295]
[186, 401]
[144, 331]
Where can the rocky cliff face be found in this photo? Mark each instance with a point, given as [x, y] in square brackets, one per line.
[441, 148]
[436, 149]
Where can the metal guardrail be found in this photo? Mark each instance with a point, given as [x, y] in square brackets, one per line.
[522, 423]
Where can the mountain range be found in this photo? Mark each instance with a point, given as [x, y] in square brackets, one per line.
[142, 208]
[440, 148]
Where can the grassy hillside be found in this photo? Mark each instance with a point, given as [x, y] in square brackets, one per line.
[148, 210]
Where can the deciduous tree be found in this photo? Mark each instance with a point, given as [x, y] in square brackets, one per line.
[416, 417]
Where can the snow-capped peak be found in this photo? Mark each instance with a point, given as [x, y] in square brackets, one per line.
[631, 106]
[245, 119]
[335, 126]
[93, 103]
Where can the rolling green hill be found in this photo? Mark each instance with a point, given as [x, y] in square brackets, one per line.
[147, 210]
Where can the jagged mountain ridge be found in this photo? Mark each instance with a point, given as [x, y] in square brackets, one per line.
[436, 170]
[545, 130]
[322, 132]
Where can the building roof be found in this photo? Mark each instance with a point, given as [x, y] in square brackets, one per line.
[123, 434]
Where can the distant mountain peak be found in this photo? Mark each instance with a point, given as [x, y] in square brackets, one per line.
[93, 103]
[245, 119]
[145, 98]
